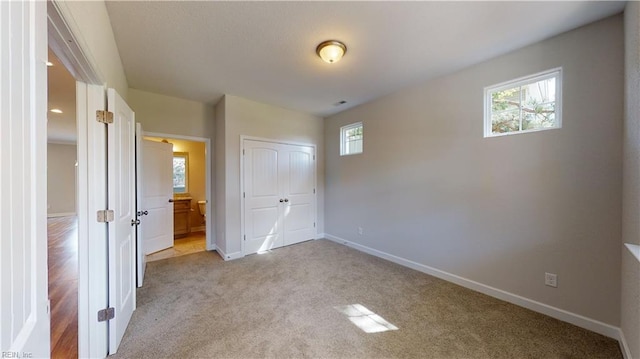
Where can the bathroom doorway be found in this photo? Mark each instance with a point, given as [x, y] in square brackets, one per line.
[191, 170]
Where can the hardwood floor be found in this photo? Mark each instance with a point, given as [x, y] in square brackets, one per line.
[194, 243]
[62, 235]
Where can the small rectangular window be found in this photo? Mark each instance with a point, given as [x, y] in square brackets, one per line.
[351, 137]
[180, 172]
[527, 104]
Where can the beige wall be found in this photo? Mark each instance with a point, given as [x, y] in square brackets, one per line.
[89, 21]
[172, 115]
[630, 305]
[499, 211]
[249, 118]
[61, 179]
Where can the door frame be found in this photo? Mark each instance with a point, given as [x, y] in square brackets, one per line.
[92, 190]
[242, 189]
[210, 238]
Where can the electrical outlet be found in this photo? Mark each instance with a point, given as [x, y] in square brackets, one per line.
[551, 280]
[360, 230]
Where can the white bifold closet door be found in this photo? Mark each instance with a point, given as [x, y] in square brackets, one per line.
[279, 195]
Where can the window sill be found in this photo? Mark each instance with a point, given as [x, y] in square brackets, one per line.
[634, 249]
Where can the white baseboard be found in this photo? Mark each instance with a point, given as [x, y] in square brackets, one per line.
[560, 314]
[63, 214]
[230, 256]
[624, 346]
[320, 236]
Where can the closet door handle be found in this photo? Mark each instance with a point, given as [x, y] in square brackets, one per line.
[171, 201]
[281, 200]
[286, 199]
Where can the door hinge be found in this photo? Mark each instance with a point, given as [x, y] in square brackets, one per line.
[314, 157]
[243, 152]
[314, 190]
[245, 237]
[314, 224]
[104, 116]
[244, 195]
[105, 215]
[106, 314]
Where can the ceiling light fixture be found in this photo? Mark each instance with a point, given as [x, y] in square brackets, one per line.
[331, 51]
[56, 110]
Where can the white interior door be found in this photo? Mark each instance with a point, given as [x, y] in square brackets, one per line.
[299, 215]
[141, 263]
[93, 264]
[263, 206]
[157, 192]
[121, 188]
[24, 319]
[279, 195]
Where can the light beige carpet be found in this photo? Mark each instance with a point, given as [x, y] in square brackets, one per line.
[282, 305]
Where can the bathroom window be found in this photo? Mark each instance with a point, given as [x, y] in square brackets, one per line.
[180, 172]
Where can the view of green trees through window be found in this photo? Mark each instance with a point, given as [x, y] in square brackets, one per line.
[354, 140]
[525, 106]
[179, 174]
[351, 138]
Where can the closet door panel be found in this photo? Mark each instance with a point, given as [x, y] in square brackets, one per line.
[262, 188]
[299, 188]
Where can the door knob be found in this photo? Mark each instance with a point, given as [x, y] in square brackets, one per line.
[135, 222]
[145, 213]
[286, 199]
[281, 200]
[171, 201]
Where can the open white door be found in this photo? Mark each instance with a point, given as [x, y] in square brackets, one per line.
[141, 262]
[24, 318]
[157, 195]
[121, 187]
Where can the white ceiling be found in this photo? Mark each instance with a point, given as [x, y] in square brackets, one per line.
[61, 87]
[265, 51]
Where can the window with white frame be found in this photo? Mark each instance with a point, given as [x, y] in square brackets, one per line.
[527, 104]
[351, 139]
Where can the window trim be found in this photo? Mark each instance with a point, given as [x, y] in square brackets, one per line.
[525, 80]
[343, 132]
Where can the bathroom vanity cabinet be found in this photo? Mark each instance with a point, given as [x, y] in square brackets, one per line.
[181, 217]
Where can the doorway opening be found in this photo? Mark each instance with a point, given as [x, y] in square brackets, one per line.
[62, 220]
[191, 183]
